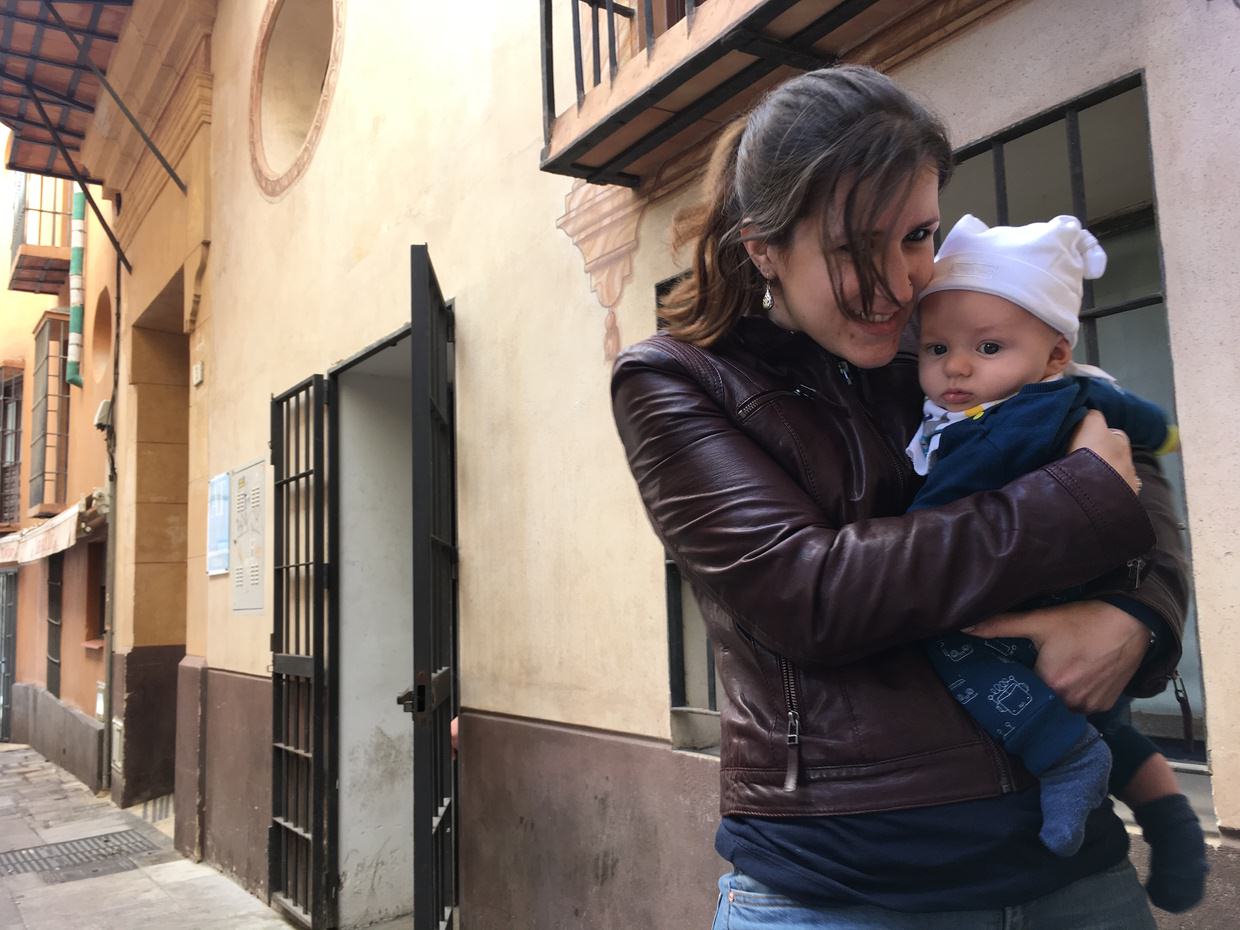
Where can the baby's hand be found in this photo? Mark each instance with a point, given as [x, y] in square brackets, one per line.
[1110, 445]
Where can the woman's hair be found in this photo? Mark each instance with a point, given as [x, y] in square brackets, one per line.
[845, 136]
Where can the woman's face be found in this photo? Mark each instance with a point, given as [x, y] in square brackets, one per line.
[801, 281]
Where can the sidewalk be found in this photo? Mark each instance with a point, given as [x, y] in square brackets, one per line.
[71, 860]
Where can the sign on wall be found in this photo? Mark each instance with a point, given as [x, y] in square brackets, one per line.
[247, 509]
[217, 525]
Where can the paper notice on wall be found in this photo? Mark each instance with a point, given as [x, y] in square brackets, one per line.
[217, 525]
[247, 510]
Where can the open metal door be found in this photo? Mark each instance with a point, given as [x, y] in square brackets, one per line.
[301, 879]
[433, 698]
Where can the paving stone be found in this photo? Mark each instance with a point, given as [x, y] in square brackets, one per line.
[40, 804]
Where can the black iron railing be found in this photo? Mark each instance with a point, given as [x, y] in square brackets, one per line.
[40, 217]
[627, 29]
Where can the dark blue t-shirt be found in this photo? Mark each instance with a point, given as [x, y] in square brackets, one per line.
[971, 855]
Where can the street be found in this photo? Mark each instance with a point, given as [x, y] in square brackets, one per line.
[70, 859]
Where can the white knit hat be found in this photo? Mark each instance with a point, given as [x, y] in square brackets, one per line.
[1040, 267]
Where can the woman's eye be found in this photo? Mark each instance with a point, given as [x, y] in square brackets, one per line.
[919, 235]
[989, 348]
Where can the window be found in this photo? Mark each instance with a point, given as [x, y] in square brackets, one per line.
[10, 445]
[294, 75]
[1090, 158]
[55, 578]
[49, 413]
[97, 588]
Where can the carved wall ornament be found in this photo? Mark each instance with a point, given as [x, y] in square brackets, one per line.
[603, 222]
[272, 183]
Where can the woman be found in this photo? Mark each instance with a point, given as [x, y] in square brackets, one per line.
[765, 430]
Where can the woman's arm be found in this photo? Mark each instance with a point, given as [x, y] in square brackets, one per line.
[1129, 639]
[828, 594]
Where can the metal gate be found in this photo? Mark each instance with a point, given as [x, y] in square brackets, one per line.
[433, 698]
[301, 882]
[8, 650]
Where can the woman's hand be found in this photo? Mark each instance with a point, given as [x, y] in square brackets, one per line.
[1088, 651]
[1110, 445]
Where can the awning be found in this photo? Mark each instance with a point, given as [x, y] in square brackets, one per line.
[8, 548]
[45, 75]
[56, 535]
[38, 542]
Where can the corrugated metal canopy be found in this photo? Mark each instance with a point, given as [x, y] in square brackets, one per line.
[37, 58]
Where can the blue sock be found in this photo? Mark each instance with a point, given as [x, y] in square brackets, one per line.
[1071, 788]
[1177, 852]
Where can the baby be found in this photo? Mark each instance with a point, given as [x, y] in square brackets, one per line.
[1003, 396]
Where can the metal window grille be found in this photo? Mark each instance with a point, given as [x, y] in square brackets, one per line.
[8, 649]
[10, 444]
[1139, 216]
[298, 854]
[42, 215]
[49, 446]
[55, 578]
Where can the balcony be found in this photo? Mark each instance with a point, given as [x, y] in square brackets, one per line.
[653, 79]
[40, 259]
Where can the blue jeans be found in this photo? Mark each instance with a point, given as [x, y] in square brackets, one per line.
[1111, 900]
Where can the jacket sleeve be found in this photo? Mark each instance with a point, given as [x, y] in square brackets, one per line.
[1164, 587]
[808, 588]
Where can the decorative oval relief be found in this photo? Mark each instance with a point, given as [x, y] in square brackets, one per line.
[296, 64]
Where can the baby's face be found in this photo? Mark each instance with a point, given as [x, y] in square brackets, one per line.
[977, 348]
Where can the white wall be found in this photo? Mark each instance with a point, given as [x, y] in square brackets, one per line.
[376, 642]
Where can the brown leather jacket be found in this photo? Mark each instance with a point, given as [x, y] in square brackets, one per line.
[775, 475]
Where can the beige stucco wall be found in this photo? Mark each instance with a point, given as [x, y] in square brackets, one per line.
[433, 136]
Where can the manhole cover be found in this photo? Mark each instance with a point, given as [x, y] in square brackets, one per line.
[72, 854]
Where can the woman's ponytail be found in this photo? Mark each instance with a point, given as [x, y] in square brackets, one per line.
[722, 283]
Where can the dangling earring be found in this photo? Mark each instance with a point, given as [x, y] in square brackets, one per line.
[768, 302]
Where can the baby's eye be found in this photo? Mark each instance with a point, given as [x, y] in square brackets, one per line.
[936, 348]
[989, 348]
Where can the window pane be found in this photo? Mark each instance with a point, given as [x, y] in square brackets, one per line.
[1132, 267]
[1036, 168]
[1115, 156]
[971, 190]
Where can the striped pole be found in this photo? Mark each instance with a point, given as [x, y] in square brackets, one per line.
[77, 243]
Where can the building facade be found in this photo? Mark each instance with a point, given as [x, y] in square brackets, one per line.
[326, 433]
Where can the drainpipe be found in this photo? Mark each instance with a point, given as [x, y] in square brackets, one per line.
[109, 611]
[77, 242]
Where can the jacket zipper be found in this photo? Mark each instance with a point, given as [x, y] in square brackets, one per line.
[761, 400]
[897, 459]
[792, 773]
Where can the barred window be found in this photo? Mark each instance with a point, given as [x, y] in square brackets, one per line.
[10, 445]
[49, 444]
[55, 579]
